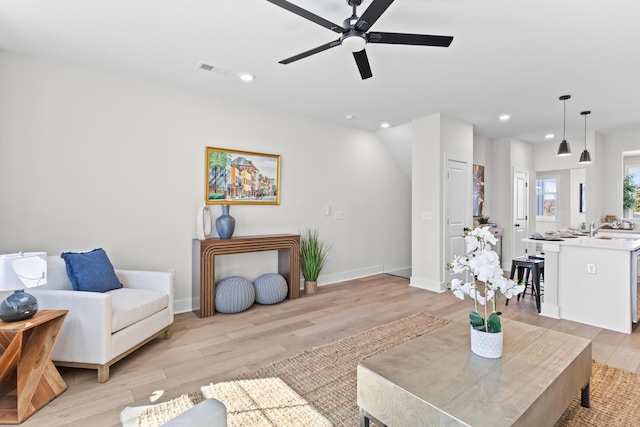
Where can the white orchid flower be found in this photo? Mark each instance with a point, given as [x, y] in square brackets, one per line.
[488, 237]
[456, 288]
[512, 289]
[460, 289]
[483, 265]
[460, 264]
[499, 283]
[473, 244]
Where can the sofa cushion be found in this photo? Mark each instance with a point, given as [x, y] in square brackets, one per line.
[132, 305]
[91, 271]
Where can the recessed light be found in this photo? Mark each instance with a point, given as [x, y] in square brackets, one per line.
[504, 117]
[549, 135]
[349, 116]
[384, 125]
[246, 77]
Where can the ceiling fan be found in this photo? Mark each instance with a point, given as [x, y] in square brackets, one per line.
[355, 34]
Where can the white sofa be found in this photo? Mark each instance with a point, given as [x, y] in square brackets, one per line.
[102, 328]
[208, 413]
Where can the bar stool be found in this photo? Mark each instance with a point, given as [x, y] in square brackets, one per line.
[528, 266]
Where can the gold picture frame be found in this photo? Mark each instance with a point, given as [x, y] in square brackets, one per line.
[235, 177]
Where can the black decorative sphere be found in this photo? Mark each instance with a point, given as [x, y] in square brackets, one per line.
[18, 306]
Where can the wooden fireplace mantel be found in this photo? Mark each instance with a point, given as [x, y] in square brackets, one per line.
[204, 264]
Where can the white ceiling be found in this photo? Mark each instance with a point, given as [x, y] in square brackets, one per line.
[514, 57]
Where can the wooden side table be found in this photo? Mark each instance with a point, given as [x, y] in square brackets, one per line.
[28, 378]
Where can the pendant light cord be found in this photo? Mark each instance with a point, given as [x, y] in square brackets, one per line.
[585, 131]
[585, 114]
[564, 123]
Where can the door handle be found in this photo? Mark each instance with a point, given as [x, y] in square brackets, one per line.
[517, 225]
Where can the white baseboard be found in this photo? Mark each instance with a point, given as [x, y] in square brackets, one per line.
[349, 275]
[182, 306]
[402, 272]
[550, 310]
[429, 285]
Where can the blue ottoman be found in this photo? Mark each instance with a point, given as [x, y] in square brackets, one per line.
[234, 294]
[271, 288]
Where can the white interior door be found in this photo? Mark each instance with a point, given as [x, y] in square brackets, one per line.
[457, 197]
[520, 212]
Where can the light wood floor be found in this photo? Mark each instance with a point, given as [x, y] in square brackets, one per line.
[202, 351]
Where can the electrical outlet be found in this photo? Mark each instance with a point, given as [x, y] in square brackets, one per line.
[338, 215]
[591, 268]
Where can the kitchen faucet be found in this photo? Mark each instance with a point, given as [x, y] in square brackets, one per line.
[593, 228]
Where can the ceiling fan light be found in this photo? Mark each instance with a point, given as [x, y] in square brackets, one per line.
[564, 149]
[585, 157]
[246, 77]
[354, 42]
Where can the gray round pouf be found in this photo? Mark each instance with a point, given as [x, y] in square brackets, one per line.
[271, 288]
[234, 294]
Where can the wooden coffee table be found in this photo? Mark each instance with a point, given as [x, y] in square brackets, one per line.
[436, 380]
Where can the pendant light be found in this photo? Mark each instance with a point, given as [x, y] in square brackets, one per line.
[564, 149]
[585, 157]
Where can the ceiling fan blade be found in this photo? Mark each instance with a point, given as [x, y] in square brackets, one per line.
[363, 64]
[371, 15]
[311, 52]
[410, 39]
[308, 15]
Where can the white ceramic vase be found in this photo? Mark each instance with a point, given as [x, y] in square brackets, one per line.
[485, 344]
[205, 223]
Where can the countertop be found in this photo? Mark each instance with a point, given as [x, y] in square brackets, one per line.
[609, 239]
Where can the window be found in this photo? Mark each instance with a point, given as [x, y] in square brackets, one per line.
[631, 190]
[546, 189]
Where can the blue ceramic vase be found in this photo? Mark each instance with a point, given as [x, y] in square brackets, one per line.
[225, 223]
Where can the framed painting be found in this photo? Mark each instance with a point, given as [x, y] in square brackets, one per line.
[241, 177]
[478, 190]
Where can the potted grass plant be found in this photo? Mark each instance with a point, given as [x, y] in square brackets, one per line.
[483, 220]
[314, 254]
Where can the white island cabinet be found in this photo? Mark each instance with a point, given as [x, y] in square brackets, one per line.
[592, 280]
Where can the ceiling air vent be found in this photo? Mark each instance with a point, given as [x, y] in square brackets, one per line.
[212, 68]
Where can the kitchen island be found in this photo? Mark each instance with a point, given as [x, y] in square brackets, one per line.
[592, 280]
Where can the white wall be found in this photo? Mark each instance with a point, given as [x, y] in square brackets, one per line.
[616, 147]
[89, 160]
[507, 155]
[567, 202]
[397, 139]
[435, 138]
[482, 157]
[546, 159]
[576, 177]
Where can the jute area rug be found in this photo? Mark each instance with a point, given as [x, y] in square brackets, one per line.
[320, 385]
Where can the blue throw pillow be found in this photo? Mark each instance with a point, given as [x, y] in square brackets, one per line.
[91, 271]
